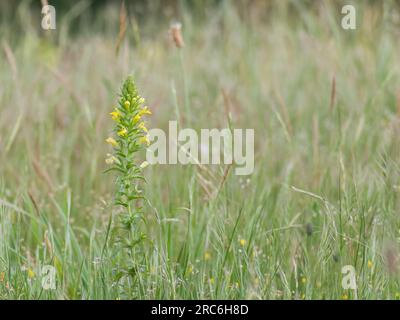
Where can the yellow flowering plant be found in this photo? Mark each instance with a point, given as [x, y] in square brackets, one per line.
[129, 137]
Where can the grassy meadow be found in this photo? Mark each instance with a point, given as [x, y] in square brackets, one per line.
[325, 193]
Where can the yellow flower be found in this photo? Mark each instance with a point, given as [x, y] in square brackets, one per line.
[123, 132]
[242, 242]
[369, 264]
[397, 295]
[144, 111]
[211, 280]
[112, 142]
[111, 159]
[127, 104]
[207, 256]
[303, 280]
[115, 115]
[144, 164]
[31, 274]
[144, 140]
[136, 119]
[345, 297]
[143, 127]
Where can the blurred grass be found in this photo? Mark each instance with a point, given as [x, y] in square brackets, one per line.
[334, 171]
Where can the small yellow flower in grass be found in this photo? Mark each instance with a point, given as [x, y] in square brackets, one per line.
[115, 115]
[143, 127]
[127, 104]
[123, 132]
[242, 242]
[345, 297]
[144, 140]
[190, 270]
[212, 281]
[303, 280]
[207, 256]
[397, 295]
[31, 274]
[136, 119]
[112, 141]
[111, 159]
[369, 264]
[144, 165]
[144, 111]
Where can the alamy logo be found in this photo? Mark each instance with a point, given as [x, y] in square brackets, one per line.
[349, 278]
[349, 20]
[214, 146]
[48, 274]
[49, 18]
